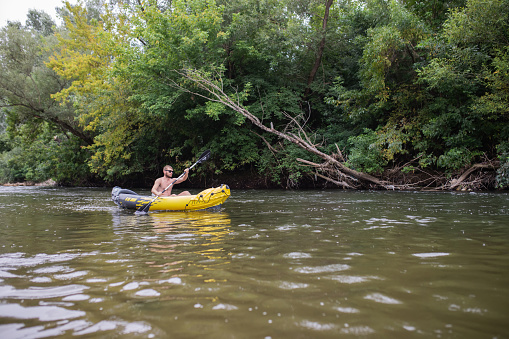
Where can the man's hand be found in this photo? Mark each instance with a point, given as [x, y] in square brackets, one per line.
[186, 174]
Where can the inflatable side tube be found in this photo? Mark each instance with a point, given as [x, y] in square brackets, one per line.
[132, 201]
[117, 191]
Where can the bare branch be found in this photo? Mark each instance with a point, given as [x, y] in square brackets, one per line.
[217, 94]
[456, 182]
[338, 183]
[269, 146]
[340, 154]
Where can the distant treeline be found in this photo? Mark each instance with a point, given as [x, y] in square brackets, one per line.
[362, 94]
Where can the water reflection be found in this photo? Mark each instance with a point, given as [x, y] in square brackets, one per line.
[45, 295]
[197, 234]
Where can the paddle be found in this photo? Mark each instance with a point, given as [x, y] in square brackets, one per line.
[144, 209]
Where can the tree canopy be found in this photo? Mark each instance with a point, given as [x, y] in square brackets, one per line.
[375, 93]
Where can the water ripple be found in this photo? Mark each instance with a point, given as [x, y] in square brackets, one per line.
[347, 310]
[297, 255]
[380, 298]
[18, 259]
[40, 292]
[430, 255]
[313, 325]
[124, 327]
[285, 285]
[350, 279]
[42, 313]
[322, 269]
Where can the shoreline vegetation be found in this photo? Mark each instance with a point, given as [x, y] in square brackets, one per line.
[369, 94]
[480, 177]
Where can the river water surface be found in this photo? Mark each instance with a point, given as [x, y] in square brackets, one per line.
[269, 264]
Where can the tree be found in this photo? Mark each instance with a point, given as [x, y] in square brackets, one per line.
[349, 89]
[382, 100]
[40, 22]
[86, 52]
[467, 83]
[435, 12]
[26, 84]
[321, 47]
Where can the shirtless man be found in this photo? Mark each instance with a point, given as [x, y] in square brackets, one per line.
[161, 183]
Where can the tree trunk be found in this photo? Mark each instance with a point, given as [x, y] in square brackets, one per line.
[321, 47]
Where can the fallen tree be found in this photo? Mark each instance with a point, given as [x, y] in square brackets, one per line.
[349, 178]
[460, 182]
[332, 169]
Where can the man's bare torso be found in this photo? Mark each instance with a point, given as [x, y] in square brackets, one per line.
[163, 183]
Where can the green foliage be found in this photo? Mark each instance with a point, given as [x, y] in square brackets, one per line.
[40, 22]
[456, 158]
[279, 166]
[389, 52]
[481, 23]
[68, 163]
[372, 151]
[435, 12]
[366, 153]
[26, 84]
[384, 89]
[494, 104]
[397, 80]
[503, 171]
[235, 148]
[48, 156]
[465, 77]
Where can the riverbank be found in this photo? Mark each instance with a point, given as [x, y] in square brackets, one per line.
[49, 182]
[473, 179]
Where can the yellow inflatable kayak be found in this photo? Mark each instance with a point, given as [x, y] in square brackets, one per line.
[209, 198]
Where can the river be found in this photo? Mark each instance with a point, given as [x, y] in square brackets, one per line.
[269, 264]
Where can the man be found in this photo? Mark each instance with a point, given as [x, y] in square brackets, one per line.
[161, 183]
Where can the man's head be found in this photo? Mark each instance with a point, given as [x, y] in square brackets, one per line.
[168, 171]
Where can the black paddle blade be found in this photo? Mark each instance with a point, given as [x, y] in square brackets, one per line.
[143, 210]
[204, 157]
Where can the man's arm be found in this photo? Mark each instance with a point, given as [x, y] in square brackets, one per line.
[184, 178]
[154, 190]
